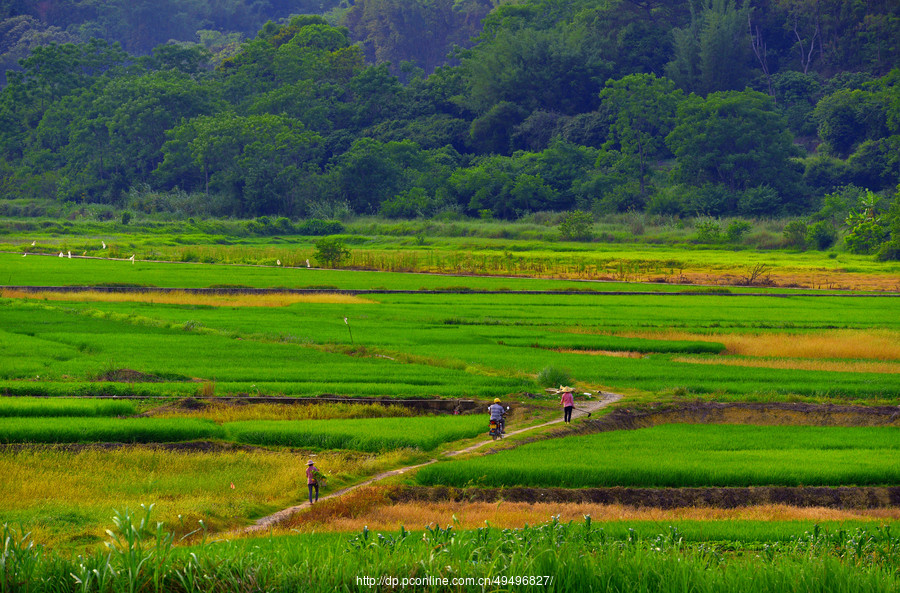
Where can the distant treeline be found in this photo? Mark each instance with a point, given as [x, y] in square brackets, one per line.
[673, 107]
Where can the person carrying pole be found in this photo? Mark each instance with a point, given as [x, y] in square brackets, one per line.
[568, 402]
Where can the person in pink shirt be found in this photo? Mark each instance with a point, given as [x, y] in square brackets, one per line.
[311, 481]
[568, 403]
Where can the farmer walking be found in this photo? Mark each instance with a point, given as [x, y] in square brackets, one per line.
[568, 402]
[312, 480]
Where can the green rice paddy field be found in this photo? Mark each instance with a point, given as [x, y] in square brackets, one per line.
[457, 345]
[68, 466]
[684, 455]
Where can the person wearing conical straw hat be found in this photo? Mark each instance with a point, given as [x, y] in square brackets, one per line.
[312, 480]
[568, 402]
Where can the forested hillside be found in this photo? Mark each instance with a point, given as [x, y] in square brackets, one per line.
[674, 107]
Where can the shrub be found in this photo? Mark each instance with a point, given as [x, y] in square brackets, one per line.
[821, 235]
[553, 376]
[795, 234]
[317, 227]
[736, 230]
[668, 201]
[760, 200]
[889, 251]
[331, 251]
[865, 237]
[708, 231]
[576, 226]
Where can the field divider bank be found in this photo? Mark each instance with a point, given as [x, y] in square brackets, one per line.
[271, 521]
[696, 291]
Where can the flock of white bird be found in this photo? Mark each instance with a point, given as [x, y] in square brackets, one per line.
[131, 259]
[69, 253]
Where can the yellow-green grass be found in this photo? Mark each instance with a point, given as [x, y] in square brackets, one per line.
[66, 497]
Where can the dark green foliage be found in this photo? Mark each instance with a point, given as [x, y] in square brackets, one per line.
[294, 120]
[734, 139]
[821, 235]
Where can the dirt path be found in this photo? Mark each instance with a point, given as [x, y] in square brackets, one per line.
[583, 409]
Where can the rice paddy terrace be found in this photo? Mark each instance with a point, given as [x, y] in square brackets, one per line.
[749, 418]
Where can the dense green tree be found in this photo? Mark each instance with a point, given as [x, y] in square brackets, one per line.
[417, 31]
[371, 172]
[737, 139]
[261, 160]
[20, 34]
[554, 70]
[644, 108]
[492, 131]
[846, 118]
[712, 53]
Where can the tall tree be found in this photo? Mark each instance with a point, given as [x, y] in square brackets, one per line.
[712, 53]
[736, 139]
[644, 108]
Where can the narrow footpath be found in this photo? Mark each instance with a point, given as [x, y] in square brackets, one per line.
[583, 409]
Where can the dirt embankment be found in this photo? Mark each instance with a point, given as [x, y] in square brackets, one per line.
[767, 414]
[664, 498]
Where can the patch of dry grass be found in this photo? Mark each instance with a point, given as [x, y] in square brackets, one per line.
[832, 344]
[184, 298]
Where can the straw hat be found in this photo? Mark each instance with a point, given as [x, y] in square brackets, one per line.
[310, 462]
[566, 389]
[496, 400]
